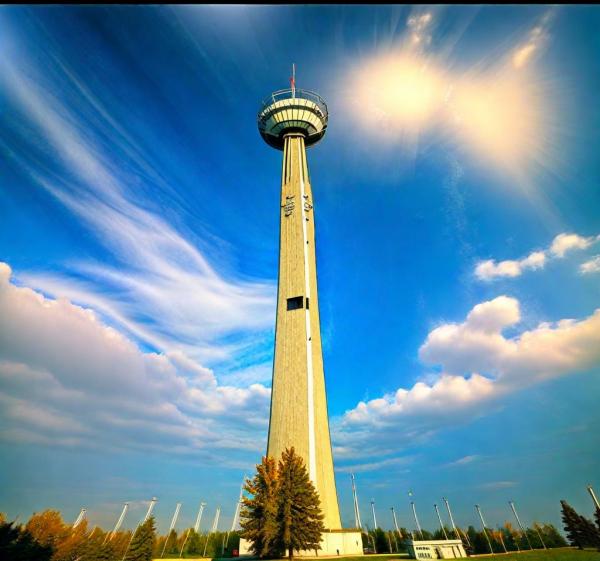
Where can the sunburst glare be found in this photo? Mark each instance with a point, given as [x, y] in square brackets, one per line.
[502, 115]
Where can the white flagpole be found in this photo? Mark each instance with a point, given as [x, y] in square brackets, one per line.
[437, 510]
[216, 520]
[374, 517]
[414, 509]
[110, 535]
[79, 518]
[213, 529]
[357, 519]
[512, 506]
[199, 517]
[484, 530]
[236, 516]
[150, 509]
[535, 527]
[451, 517]
[148, 513]
[171, 527]
[396, 524]
[594, 498]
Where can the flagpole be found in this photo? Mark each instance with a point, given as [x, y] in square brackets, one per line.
[148, 513]
[484, 530]
[451, 517]
[171, 527]
[512, 506]
[357, 520]
[396, 524]
[79, 518]
[110, 535]
[416, 519]
[440, 519]
[374, 517]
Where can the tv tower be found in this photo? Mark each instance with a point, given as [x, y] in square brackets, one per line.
[292, 120]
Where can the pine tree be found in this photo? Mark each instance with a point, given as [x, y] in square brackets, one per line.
[590, 534]
[299, 512]
[258, 515]
[572, 523]
[18, 544]
[143, 542]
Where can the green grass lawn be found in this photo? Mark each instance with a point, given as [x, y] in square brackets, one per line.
[559, 554]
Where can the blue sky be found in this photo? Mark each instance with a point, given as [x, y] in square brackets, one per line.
[458, 215]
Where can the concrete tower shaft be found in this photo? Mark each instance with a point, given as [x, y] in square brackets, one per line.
[298, 402]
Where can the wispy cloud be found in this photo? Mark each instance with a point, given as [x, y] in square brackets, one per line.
[465, 460]
[536, 39]
[158, 285]
[389, 464]
[498, 485]
[591, 266]
[562, 244]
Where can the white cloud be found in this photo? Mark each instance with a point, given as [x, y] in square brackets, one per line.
[562, 244]
[498, 485]
[479, 365]
[388, 464]
[68, 379]
[591, 266]
[464, 461]
[478, 345]
[489, 269]
[419, 25]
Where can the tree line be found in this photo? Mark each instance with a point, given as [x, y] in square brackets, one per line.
[46, 537]
[280, 515]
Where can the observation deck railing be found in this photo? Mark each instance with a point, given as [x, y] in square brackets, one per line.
[295, 93]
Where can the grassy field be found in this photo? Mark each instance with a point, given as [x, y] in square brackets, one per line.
[559, 554]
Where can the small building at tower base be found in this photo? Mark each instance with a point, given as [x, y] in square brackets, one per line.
[435, 549]
[333, 542]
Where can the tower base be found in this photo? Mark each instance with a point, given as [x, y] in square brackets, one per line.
[333, 543]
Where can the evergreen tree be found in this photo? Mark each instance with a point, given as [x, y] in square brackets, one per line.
[258, 514]
[299, 513]
[142, 543]
[572, 523]
[590, 534]
[17, 544]
[96, 550]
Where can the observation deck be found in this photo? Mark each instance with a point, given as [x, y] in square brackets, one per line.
[292, 111]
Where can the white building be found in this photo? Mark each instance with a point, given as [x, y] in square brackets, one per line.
[436, 549]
